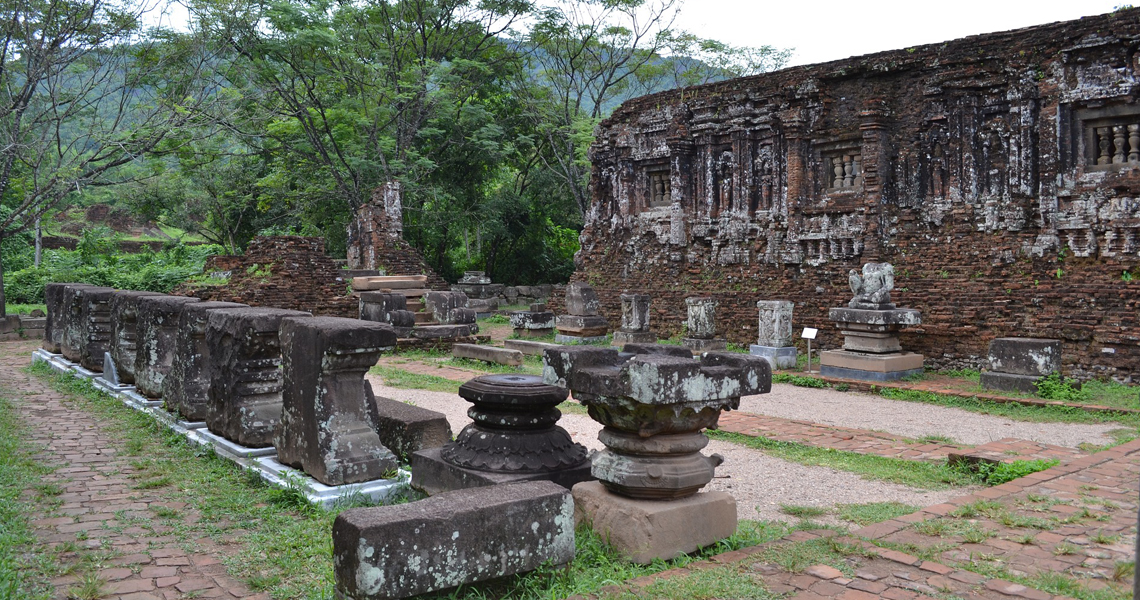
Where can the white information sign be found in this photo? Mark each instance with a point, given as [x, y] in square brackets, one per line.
[809, 333]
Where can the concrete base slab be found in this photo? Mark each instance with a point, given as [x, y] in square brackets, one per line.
[860, 375]
[84, 373]
[232, 449]
[644, 530]
[327, 495]
[133, 397]
[173, 421]
[622, 338]
[783, 357]
[879, 363]
[699, 345]
[571, 340]
[109, 387]
[434, 475]
[1009, 382]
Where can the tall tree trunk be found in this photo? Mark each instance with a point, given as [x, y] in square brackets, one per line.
[3, 298]
[39, 244]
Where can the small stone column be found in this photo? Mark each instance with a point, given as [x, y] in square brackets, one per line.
[244, 397]
[700, 335]
[326, 429]
[157, 334]
[515, 437]
[124, 332]
[774, 334]
[184, 390]
[533, 323]
[870, 325]
[634, 321]
[654, 400]
[482, 295]
[581, 324]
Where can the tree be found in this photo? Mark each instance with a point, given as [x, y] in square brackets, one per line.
[82, 93]
[590, 55]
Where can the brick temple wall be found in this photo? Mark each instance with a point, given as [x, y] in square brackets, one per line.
[999, 174]
[281, 272]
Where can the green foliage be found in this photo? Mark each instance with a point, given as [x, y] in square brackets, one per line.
[999, 473]
[874, 512]
[1056, 387]
[24, 566]
[99, 264]
[800, 380]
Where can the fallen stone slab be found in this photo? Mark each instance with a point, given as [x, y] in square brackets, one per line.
[528, 347]
[451, 539]
[404, 428]
[157, 333]
[326, 428]
[434, 332]
[491, 354]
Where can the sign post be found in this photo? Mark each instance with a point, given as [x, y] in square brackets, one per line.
[809, 335]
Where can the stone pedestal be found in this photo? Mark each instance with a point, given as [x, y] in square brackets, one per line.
[157, 333]
[1017, 364]
[582, 324]
[124, 332]
[871, 350]
[72, 337]
[634, 321]
[700, 326]
[774, 334]
[653, 401]
[384, 307]
[326, 427]
[536, 322]
[482, 295]
[645, 530]
[185, 388]
[55, 326]
[514, 435]
[95, 327]
[244, 397]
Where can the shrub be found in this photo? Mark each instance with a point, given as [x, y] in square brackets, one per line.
[1055, 387]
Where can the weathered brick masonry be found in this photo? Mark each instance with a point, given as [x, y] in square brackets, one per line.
[998, 173]
[281, 272]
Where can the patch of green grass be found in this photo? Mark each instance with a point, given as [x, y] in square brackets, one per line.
[803, 512]
[1017, 412]
[800, 380]
[25, 566]
[572, 407]
[999, 473]
[23, 309]
[923, 475]
[971, 374]
[795, 557]
[979, 508]
[496, 320]
[730, 581]
[399, 378]
[89, 587]
[873, 512]
[532, 365]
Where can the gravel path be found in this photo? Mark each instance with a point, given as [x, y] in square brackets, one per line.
[759, 483]
[913, 419]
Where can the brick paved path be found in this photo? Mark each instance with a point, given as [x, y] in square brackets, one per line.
[864, 441]
[112, 523]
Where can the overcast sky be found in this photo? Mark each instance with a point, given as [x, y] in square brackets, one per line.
[823, 30]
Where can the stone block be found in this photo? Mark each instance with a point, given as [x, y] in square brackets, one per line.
[157, 333]
[645, 530]
[701, 321]
[71, 319]
[451, 539]
[581, 300]
[774, 325]
[700, 345]
[405, 429]
[635, 313]
[244, 396]
[95, 326]
[433, 475]
[1009, 382]
[435, 332]
[184, 390]
[582, 326]
[32, 324]
[124, 332]
[899, 317]
[574, 340]
[445, 308]
[875, 343]
[779, 358]
[528, 347]
[55, 325]
[1025, 356]
[491, 354]
[390, 282]
[326, 426]
[525, 319]
[621, 338]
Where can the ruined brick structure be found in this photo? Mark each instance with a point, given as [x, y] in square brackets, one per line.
[998, 173]
[284, 271]
[375, 239]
